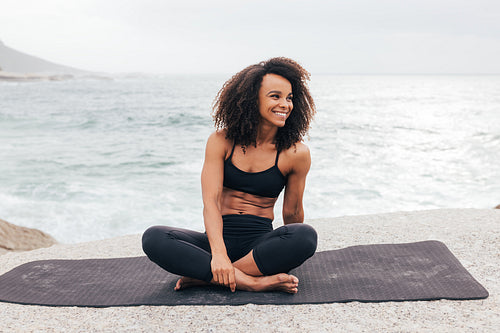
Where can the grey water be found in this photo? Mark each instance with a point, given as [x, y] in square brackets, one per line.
[91, 159]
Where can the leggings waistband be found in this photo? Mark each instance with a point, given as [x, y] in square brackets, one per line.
[238, 225]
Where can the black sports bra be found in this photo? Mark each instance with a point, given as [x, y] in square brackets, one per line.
[268, 183]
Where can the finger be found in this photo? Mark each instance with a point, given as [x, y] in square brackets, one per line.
[232, 282]
[215, 277]
[226, 280]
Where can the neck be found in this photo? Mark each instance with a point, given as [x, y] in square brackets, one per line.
[266, 134]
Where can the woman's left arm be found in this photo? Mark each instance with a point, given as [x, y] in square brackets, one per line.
[293, 210]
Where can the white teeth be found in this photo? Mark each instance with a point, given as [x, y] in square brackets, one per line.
[283, 114]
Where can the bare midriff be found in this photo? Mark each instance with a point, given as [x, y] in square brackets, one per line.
[241, 203]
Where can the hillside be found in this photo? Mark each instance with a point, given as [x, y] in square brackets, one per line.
[13, 61]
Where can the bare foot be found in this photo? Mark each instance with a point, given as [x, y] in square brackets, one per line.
[281, 282]
[186, 282]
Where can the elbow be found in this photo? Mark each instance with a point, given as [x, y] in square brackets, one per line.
[210, 212]
[293, 216]
[209, 207]
[212, 202]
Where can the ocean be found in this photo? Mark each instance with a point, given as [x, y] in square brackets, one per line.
[89, 159]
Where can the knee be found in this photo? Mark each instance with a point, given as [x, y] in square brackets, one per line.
[308, 238]
[311, 239]
[151, 239]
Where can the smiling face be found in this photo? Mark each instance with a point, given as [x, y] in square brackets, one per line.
[275, 100]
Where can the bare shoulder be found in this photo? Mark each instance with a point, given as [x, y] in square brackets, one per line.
[297, 158]
[218, 143]
[218, 136]
[298, 151]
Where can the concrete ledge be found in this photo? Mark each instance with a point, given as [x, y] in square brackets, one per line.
[472, 235]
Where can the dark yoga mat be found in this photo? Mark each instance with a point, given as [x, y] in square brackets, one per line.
[368, 273]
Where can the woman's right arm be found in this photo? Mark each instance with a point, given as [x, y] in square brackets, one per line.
[212, 177]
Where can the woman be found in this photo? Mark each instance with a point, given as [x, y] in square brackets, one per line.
[261, 115]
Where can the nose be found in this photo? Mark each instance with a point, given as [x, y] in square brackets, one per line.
[283, 103]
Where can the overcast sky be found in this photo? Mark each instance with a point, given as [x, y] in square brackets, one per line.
[223, 36]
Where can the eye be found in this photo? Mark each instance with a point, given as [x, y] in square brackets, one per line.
[289, 98]
[274, 96]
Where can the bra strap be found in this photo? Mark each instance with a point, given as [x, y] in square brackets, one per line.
[277, 156]
[232, 151]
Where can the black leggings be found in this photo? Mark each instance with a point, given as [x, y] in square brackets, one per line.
[187, 253]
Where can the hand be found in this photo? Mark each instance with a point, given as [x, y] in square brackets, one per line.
[223, 271]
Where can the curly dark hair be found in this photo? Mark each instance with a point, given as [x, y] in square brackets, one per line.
[236, 109]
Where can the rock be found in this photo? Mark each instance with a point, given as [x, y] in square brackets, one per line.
[497, 207]
[16, 238]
